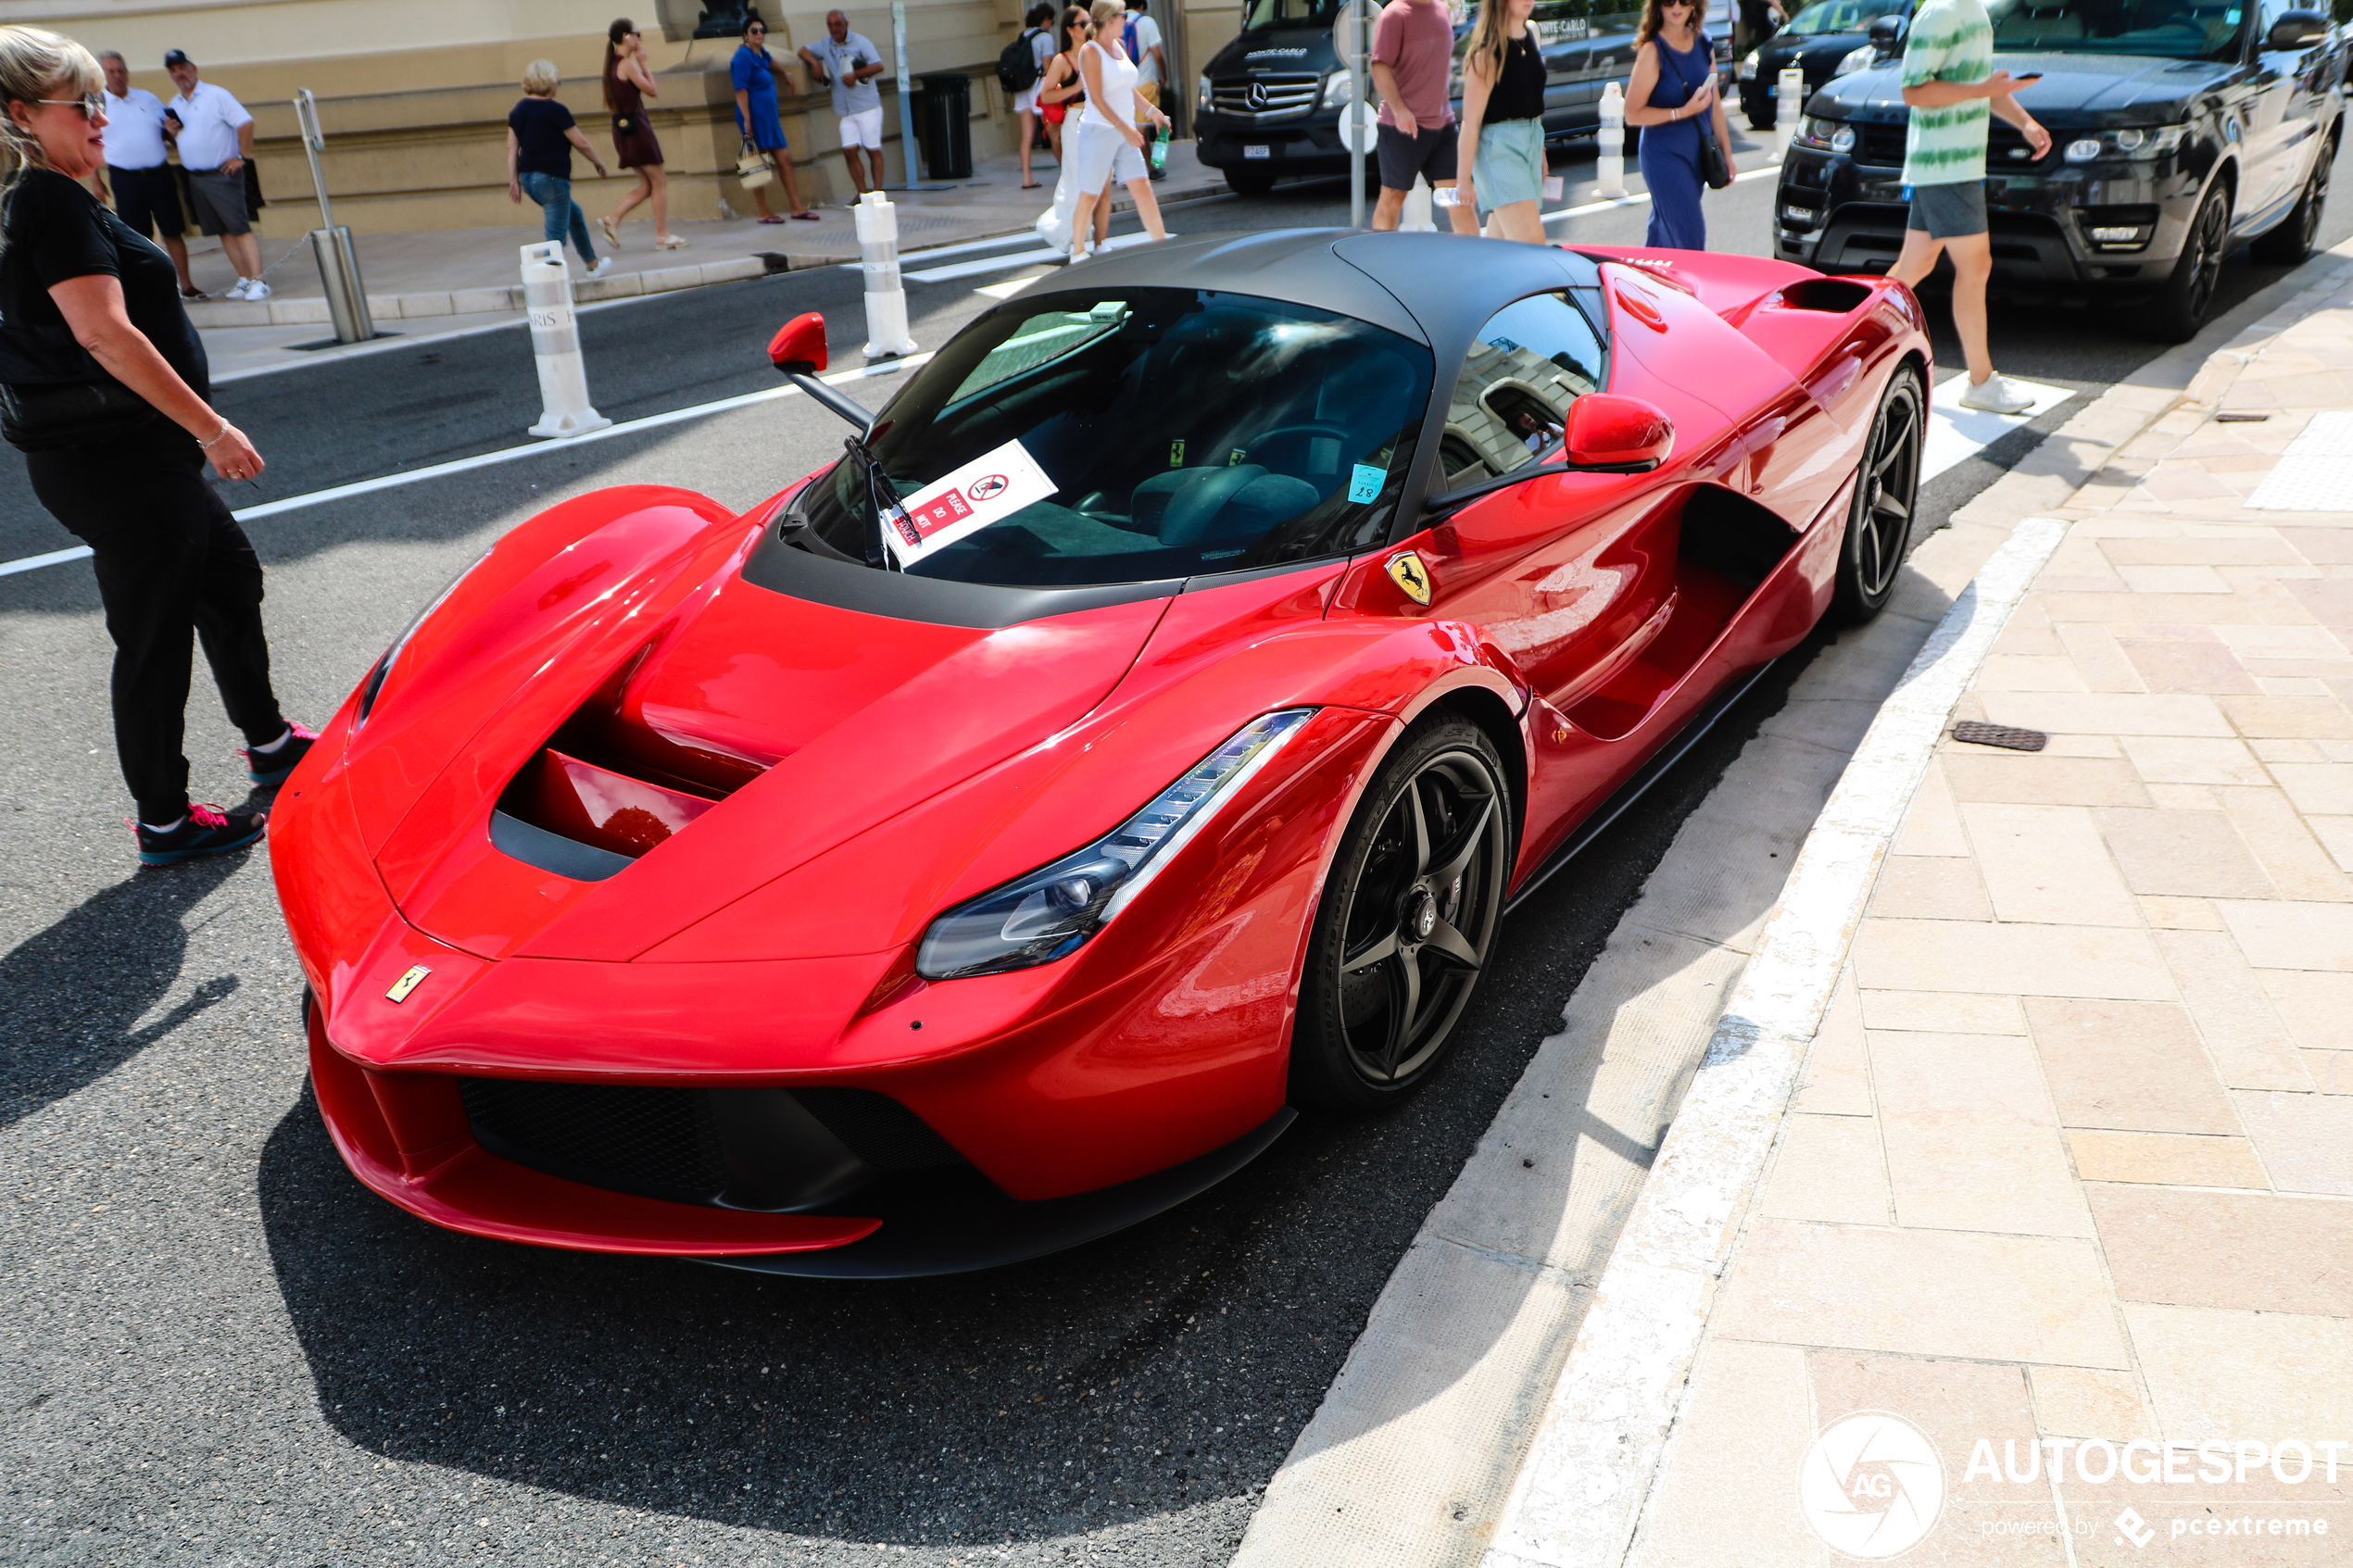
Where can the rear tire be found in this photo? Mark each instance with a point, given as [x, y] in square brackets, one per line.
[1249, 184]
[2187, 299]
[1406, 923]
[1757, 109]
[1887, 494]
[2289, 243]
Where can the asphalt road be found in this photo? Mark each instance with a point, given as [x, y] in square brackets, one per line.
[219, 1350]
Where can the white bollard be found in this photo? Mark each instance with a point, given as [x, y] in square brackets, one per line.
[1609, 165]
[1789, 101]
[887, 332]
[1418, 217]
[554, 343]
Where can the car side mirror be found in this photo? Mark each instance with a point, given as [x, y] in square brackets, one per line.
[798, 347]
[1887, 34]
[2297, 30]
[1609, 431]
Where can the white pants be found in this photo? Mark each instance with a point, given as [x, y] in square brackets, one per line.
[1104, 155]
[862, 129]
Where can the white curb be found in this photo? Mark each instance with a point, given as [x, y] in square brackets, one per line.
[1581, 1490]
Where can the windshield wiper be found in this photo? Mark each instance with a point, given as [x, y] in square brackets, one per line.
[882, 504]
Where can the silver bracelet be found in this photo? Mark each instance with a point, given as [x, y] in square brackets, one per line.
[209, 445]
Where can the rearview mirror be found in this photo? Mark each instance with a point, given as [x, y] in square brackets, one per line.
[2297, 30]
[1607, 430]
[798, 347]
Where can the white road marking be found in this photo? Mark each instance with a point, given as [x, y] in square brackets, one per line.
[1018, 258]
[1636, 198]
[504, 455]
[1955, 432]
[1013, 286]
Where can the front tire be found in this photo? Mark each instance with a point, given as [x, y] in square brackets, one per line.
[2188, 297]
[2289, 243]
[1887, 492]
[1249, 184]
[1407, 922]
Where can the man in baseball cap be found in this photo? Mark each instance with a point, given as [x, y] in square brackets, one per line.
[215, 136]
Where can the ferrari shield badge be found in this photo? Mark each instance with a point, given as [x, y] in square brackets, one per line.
[1405, 570]
[407, 982]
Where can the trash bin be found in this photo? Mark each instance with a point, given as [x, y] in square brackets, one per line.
[943, 125]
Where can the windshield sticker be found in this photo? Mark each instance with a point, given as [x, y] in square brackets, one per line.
[1365, 481]
[1176, 454]
[989, 489]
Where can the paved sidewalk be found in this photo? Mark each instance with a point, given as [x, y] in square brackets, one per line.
[474, 271]
[2071, 1160]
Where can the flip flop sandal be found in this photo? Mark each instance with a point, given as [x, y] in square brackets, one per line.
[810, 217]
[771, 217]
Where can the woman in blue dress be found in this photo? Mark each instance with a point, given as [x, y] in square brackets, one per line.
[1673, 87]
[755, 76]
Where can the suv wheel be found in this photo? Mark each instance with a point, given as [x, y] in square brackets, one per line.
[2188, 296]
[1756, 107]
[1249, 184]
[2291, 240]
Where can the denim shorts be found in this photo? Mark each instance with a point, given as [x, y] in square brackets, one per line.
[1948, 212]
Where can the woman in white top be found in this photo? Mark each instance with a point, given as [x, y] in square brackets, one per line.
[1107, 145]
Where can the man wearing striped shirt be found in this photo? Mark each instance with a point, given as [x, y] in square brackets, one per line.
[1950, 84]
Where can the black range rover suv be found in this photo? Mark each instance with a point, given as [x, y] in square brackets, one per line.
[2179, 128]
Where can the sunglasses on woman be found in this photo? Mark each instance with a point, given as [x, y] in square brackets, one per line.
[90, 104]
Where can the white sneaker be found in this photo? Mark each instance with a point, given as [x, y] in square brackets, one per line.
[256, 291]
[237, 289]
[604, 265]
[1995, 395]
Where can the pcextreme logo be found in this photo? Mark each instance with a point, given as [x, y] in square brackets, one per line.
[1871, 1485]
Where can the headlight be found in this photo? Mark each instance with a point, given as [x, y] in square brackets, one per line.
[1050, 913]
[1339, 90]
[1748, 67]
[1816, 131]
[2136, 144]
[1856, 60]
[2083, 149]
[1200, 96]
[374, 684]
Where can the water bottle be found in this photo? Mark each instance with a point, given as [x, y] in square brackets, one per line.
[1160, 150]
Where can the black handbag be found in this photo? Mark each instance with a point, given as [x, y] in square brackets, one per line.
[45, 418]
[624, 125]
[1713, 167]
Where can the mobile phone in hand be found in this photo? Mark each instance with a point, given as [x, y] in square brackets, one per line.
[2028, 76]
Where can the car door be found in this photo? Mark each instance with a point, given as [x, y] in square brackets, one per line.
[2282, 114]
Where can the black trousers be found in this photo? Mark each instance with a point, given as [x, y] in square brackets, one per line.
[173, 569]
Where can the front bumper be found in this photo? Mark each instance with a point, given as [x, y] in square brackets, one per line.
[1841, 215]
[1305, 143]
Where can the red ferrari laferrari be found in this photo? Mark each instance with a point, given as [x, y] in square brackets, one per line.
[1139, 733]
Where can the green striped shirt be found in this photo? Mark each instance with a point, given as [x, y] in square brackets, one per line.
[1950, 41]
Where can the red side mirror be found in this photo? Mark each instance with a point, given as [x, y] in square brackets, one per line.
[1605, 430]
[798, 347]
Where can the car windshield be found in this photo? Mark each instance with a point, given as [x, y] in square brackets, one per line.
[1291, 13]
[1129, 435]
[1827, 17]
[2172, 30]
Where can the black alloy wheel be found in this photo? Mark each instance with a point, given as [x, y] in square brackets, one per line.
[1249, 184]
[2289, 243]
[1887, 492]
[2188, 297]
[1406, 923]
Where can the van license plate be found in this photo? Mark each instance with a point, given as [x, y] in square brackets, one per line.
[1257, 152]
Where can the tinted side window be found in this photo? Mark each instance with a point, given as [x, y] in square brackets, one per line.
[1533, 358]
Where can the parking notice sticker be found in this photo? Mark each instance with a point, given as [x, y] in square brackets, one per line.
[989, 489]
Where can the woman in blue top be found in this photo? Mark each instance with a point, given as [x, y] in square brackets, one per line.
[1674, 86]
[756, 75]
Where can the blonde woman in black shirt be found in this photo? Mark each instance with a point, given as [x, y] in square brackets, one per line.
[103, 387]
[1504, 118]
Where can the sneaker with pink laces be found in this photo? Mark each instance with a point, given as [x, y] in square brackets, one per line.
[266, 768]
[206, 830]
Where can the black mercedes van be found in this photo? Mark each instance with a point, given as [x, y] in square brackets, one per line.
[1269, 104]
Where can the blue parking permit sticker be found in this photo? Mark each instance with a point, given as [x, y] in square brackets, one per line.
[1364, 482]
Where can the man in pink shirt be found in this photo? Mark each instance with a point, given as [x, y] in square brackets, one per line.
[1413, 49]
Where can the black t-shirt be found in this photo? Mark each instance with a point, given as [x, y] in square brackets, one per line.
[57, 230]
[1519, 87]
[541, 147]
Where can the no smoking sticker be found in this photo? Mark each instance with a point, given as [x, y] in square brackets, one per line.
[989, 489]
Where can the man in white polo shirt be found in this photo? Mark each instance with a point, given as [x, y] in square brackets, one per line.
[138, 175]
[215, 136]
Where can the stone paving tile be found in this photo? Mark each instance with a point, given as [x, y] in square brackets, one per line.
[2171, 760]
[2030, 672]
[2262, 1253]
[1931, 826]
[2336, 835]
[2289, 718]
[2306, 1140]
[1866, 1287]
[2165, 1158]
[2079, 1402]
[1829, 1168]
[2290, 935]
[1836, 1080]
[2129, 1066]
[1931, 888]
[1942, 1013]
[1730, 1473]
[2098, 658]
[2318, 789]
[2165, 913]
[2036, 779]
[1972, 1142]
[2048, 864]
[2331, 1070]
[2111, 713]
[2292, 858]
[2317, 1008]
[2227, 997]
[2188, 854]
[2188, 667]
[2212, 1371]
[2001, 960]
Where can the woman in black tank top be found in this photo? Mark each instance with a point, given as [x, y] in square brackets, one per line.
[1503, 119]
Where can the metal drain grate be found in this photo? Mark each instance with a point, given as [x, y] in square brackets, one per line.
[2009, 735]
[2315, 474]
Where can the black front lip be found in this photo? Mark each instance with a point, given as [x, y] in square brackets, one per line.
[2036, 218]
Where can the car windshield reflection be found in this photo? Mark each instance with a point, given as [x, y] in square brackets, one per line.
[1828, 17]
[1082, 438]
[2172, 30]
